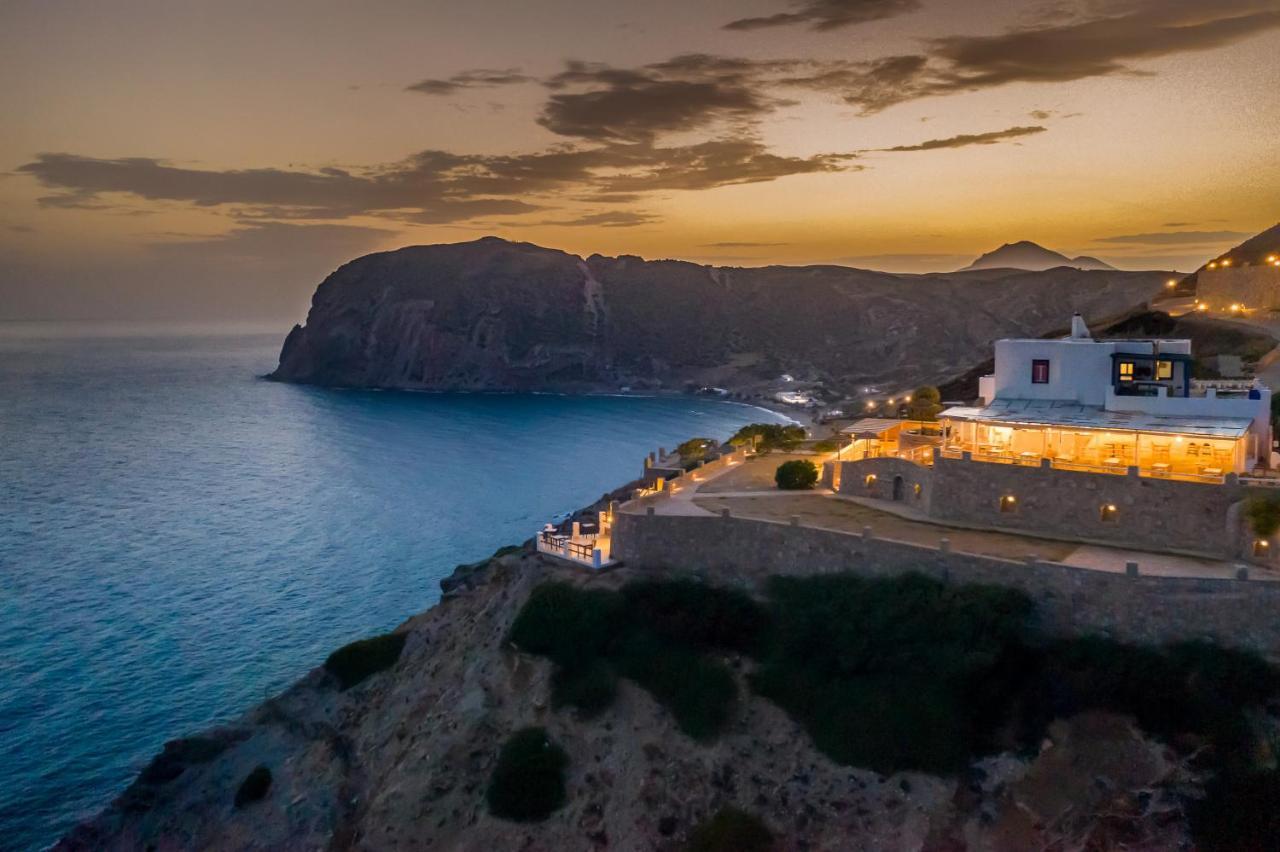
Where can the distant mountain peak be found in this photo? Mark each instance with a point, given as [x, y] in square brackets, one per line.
[1025, 254]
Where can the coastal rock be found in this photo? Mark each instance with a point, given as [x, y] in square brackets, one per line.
[496, 315]
[402, 760]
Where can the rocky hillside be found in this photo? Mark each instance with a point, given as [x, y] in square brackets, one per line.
[403, 758]
[495, 315]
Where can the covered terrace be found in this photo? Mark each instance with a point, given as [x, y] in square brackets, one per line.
[1089, 438]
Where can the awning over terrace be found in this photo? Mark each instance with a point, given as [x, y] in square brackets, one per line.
[1068, 415]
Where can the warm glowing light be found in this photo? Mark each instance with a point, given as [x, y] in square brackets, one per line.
[1235, 308]
[1271, 258]
[1213, 265]
[871, 403]
[1171, 283]
[891, 401]
[906, 399]
[1226, 263]
[1202, 307]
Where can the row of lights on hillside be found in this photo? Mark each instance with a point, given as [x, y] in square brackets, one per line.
[1234, 307]
[871, 403]
[1273, 260]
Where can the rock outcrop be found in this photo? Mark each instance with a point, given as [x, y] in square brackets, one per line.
[495, 315]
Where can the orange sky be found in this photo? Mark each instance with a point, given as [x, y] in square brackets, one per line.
[215, 160]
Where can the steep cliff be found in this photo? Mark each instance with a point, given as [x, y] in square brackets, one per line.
[495, 315]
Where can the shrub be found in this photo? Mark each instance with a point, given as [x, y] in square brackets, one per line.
[796, 475]
[1263, 514]
[254, 787]
[699, 692]
[773, 436]
[826, 445]
[691, 613]
[352, 663]
[527, 784]
[695, 449]
[881, 671]
[731, 830]
[590, 687]
[570, 626]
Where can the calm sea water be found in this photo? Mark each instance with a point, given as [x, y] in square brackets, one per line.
[179, 539]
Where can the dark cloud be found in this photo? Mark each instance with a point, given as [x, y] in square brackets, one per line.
[965, 140]
[1173, 238]
[824, 15]
[609, 219]
[476, 78]
[1099, 46]
[602, 103]
[431, 187]
[1041, 114]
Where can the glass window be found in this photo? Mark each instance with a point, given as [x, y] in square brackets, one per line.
[1126, 371]
[1040, 372]
[1165, 370]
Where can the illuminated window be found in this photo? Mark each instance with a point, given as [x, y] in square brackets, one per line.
[1109, 513]
[1040, 371]
[1165, 370]
[1126, 371]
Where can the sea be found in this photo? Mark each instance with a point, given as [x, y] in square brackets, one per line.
[180, 538]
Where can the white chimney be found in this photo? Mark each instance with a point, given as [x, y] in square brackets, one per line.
[1079, 331]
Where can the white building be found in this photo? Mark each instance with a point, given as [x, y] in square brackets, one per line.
[1112, 405]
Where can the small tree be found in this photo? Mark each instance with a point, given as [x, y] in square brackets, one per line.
[796, 475]
[773, 436]
[925, 403]
[695, 449]
[1263, 514]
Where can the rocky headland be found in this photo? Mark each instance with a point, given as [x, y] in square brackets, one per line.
[497, 315]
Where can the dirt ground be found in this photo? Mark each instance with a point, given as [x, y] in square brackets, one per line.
[817, 510]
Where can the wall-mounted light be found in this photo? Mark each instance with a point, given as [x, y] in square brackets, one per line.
[1262, 547]
[1008, 504]
[871, 479]
[1109, 512]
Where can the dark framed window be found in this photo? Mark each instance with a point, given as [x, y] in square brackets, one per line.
[1040, 371]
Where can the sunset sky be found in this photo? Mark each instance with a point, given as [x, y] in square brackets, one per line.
[214, 160]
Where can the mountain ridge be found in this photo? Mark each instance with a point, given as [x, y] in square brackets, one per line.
[1027, 255]
[496, 315]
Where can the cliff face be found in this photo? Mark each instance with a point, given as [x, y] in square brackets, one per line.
[494, 315]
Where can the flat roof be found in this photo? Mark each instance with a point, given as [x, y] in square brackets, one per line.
[1047, 412]
[870, 427]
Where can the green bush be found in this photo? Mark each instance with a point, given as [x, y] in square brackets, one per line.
[699, 692]
[731, 830]
[590, 687]
[527, 784]
[656, 633]
[881, 671]
[826, 445]
[796, 475]
[1263, 514]
[254, 787]
[691, 613]
[773, 436]
[352, 663]
[571, 626]
[695, 449]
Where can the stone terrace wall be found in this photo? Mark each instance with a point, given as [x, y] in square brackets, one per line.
[1252, 286]
[851, 478]
[1071, 601]
[1163, 514]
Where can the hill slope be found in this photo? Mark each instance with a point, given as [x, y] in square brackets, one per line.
[495, 315]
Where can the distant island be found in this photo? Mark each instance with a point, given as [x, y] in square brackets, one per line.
[1030, 256]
